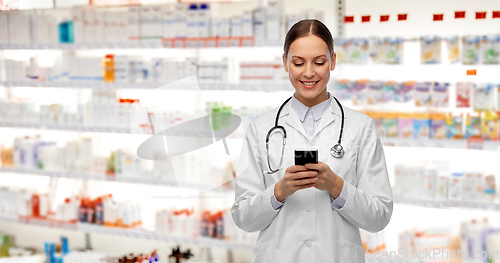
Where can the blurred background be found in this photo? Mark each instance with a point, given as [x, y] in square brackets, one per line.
[84, 84]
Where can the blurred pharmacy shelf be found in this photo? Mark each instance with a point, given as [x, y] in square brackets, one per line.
[448, 203]
[268, 86]
[39, 222]
[132, 180]
[127, 232]
[441, 143]
[65, 128]
[131, 45]
[378, 258]
[138, 233]
[391, 142]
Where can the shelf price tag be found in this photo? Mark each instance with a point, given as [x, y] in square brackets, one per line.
[168, 42]
[247, 42]
[191, 42]
[223, 42]
[235, 42]
[211, 42]
[180, 43]
[475, 143]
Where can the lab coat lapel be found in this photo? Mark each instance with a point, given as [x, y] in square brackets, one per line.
[292, 119]
[331, 114]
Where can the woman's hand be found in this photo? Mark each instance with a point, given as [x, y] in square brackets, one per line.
[327, 179]
[296, 177]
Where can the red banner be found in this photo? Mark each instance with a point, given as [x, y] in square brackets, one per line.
[480, 15]
[460, 14]
[496, 14]
[402, 17]
[348, 19]
[437, 17]
[384, 18]
[471, 72]
[365, 19]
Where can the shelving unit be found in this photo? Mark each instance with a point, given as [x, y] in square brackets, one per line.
[97, 85]
[127, 232]
[128, 45]
[99, 177]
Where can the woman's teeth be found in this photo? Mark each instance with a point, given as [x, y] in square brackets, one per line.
[309, 83]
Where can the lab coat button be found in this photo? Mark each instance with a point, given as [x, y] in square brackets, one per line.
[310, 117]
[308, 208]
[308, 243]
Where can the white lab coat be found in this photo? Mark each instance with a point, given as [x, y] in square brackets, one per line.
[306, 228]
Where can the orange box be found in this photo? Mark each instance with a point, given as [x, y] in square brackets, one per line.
[471, 72]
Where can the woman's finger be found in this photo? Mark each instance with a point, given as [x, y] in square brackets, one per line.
[308, 180]
[303, 174]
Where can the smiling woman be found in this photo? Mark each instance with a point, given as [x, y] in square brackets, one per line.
[311, 212]
[308, 59]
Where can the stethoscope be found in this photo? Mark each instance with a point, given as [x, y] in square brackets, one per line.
[336, 151]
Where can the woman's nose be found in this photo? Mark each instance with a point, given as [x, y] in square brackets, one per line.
[309, 72]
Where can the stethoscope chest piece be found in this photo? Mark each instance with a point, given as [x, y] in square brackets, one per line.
[337, 150]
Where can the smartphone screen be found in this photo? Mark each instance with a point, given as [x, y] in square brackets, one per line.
[303, 157]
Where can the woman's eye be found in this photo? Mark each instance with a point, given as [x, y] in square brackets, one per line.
[298, 64]
[320, 64]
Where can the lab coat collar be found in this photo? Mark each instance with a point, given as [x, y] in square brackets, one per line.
[292, 119]
[317, 110]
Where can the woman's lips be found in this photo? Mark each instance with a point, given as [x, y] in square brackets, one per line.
[309, 82]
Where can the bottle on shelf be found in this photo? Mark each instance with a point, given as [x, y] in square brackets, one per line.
[4, 250]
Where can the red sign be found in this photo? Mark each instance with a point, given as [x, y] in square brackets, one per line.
[437, 17]
[348, 19]
[384, 18]
[480, 15]
[365, 19]
[402, 17]
[496, 14]
[460, 14]
[114, 2]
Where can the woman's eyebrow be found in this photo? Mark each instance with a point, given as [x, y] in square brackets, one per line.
[314, 57]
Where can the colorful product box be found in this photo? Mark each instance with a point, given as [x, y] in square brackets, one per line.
[421, 126]
[403, 92]
[405, 126]
[440, 95]
[490, 126]
[438, 126]
[423, 94]
[390, 124]
[472, 127]
[454, 128]
[464, 91]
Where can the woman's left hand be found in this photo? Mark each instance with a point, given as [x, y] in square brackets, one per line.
[327, 179]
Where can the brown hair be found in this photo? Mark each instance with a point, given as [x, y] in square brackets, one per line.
[305, 28]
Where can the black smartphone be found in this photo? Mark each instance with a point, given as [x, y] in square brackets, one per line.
[306, 156]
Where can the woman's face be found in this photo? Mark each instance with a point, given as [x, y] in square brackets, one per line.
[308, 65]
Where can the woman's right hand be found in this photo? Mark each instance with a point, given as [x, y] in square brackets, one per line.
[296, 177]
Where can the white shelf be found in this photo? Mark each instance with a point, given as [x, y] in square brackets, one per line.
[99, 177]
[268, 86]
[448, 203]
[128, 45]
[373, 259]
[434, 143]
[65, 128]
[129, 232]
[390, 142]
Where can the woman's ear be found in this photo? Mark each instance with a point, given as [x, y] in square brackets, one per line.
[334, 61]
[285, 64]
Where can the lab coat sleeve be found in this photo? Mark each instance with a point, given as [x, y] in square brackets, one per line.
[369, 204]
[252, 210]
